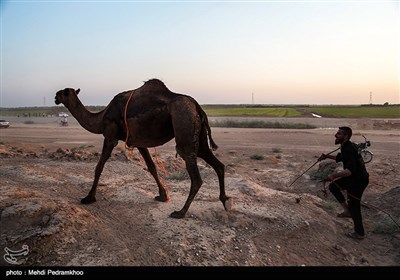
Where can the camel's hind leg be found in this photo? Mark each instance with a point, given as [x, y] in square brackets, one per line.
[196, 182]
[206, 154]
[108, 146]
[187, 127]
[164, 197]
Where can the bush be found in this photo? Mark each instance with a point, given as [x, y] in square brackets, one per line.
[178, 175]
[276, 150]
[257, 157]
[323, 171]
[387, 226]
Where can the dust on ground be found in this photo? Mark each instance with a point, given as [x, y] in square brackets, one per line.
[46, 170]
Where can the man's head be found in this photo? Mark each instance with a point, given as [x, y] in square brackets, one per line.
[343, 134]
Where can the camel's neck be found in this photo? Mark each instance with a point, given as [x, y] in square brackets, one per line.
[92, 122]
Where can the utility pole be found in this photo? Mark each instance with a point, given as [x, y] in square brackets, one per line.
[44, 101]
[252, 98]
[370, 98]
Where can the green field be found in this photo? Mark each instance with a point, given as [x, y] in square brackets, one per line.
[356, 111]
[292, 111]
[333, 111]
[257, 112]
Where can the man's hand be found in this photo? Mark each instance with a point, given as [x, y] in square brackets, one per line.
[330, 178]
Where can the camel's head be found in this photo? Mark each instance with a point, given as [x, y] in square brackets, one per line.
[64, 96]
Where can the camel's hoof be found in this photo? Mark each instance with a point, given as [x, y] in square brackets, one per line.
[228, 204]
[88, 200]
[177, 215]
[162, 198]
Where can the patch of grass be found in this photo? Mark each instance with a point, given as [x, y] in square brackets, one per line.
[276, 150]
[251, 111]
[386, 226]
[259, 124]
[257, 157]
[178, 175]
[374, 111]
[17, 149]
[322, 172]
[329, 204]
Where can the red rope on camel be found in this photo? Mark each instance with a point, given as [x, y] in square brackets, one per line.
[126, 122]
[159, 163]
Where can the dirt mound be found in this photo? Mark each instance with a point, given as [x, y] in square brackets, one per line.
[46, 224]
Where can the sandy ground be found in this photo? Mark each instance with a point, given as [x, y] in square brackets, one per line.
[46, 169]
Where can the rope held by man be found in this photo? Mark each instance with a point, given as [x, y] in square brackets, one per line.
[311, 167]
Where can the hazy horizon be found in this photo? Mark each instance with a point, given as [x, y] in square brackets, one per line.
[222, 52]
[226, 104]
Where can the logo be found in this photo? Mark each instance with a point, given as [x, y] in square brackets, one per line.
[12, 257]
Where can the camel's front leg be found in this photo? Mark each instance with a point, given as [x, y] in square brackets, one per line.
[164, 197]
[108, 146]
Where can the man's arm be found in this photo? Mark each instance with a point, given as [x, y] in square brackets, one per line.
[324, 156]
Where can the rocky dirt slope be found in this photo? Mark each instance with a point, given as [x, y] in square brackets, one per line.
[270, 224]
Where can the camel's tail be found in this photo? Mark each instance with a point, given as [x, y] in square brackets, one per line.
[204, 120]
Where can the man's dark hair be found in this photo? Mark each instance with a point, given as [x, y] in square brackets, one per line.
[346, 131]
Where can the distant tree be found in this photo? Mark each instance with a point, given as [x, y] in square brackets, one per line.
[386, 104]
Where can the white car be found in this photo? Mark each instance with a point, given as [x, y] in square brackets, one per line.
[4, 124]
[62, 114]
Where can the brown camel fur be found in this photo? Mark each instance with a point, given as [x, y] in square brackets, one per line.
[154, 116]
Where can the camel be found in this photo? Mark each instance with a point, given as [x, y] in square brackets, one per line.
[146, 117]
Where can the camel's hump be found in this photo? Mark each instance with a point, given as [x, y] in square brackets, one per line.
[155, 83]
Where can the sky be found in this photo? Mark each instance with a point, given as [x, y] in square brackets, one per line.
[219, 52]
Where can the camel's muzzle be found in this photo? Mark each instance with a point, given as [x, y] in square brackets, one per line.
[56, 101]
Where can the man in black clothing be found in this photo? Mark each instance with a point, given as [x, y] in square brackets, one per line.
[354, 179]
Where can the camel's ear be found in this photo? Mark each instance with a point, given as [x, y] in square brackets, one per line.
[77, 91]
